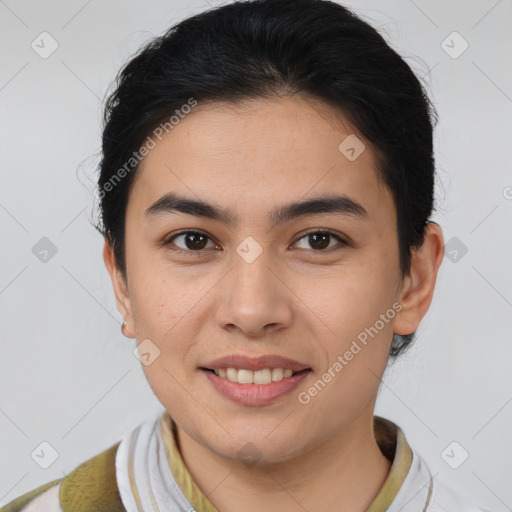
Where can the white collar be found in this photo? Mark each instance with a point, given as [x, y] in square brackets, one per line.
[146, 482]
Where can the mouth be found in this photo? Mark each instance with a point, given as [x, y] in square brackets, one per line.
[263, 376]
[253, 381]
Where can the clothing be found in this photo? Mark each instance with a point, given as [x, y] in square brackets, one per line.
[145, 472]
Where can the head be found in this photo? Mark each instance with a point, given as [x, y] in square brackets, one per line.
[266, 188]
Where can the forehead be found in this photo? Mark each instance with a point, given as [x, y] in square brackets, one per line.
[260, 152]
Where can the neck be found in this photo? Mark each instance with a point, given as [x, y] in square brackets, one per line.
[345, 473]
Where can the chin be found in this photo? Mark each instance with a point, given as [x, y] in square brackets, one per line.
[259, 446]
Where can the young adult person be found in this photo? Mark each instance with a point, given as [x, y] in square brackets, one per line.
[266, 189]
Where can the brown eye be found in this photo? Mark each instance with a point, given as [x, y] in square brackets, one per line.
[192, 241]
[320, 240]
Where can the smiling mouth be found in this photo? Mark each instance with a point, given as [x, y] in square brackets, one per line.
[263, 376]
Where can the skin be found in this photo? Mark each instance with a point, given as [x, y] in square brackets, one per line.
[294, 300]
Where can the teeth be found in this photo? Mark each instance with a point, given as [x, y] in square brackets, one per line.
[277, 374]
[245, 376]
[242, 376]
[232, 374]
[262, 376]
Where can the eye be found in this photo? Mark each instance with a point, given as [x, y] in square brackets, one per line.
[320, 240]
[194, 241]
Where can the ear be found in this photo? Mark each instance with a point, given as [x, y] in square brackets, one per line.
[120, 287]
[418, 287]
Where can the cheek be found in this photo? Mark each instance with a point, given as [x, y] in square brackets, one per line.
[165, 328]
[347, 302]
[360, 317]
[161, 300]
[356, 355]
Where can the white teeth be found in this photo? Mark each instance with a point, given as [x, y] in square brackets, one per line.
[277, 374]
[243, 376]
[262, 377]
[232, 374]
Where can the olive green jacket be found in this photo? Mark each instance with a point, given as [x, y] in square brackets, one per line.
[91, 486]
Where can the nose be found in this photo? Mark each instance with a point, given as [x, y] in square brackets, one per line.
[254, 299]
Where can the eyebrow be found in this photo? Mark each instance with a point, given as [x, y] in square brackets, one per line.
[336, 204]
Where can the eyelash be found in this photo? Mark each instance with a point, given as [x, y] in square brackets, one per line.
[168, 242]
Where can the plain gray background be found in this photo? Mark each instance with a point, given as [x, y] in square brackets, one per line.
[67, 375]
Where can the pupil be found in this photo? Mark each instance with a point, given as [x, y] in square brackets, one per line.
[313, 239]
[194, 245]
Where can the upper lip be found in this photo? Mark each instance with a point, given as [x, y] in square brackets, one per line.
[256, 363]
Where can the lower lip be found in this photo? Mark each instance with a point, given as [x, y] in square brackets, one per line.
[255, 394]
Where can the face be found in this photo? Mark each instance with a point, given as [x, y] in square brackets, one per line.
[261, 285]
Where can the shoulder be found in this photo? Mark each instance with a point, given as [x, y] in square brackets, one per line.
[90, 486]
[44, 497]
[446, 499]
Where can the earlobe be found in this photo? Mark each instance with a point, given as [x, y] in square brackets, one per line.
[418, 289]
[120, 286]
